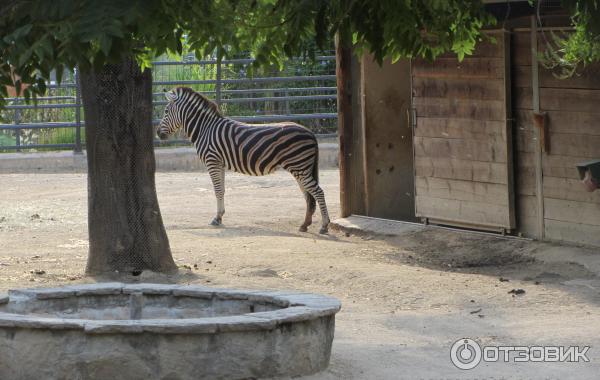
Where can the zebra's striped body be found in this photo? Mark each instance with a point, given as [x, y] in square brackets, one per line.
[252, 149]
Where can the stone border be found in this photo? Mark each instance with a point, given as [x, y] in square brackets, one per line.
[296, 307]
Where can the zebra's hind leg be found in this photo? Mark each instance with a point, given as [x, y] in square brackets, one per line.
[217, 175]
[310, 185]
[311, 206]
[318, 194]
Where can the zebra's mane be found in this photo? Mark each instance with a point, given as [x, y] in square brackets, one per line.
[204, 100]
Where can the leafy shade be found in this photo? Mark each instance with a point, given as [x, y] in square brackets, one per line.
[41, 36]
[566, 53]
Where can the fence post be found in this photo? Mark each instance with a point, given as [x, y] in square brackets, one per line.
[17, 120]
[77, 149]
[218, 81]
[287, 102]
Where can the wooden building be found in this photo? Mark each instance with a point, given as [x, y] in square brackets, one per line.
[489, 143]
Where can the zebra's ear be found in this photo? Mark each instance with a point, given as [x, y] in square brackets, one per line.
[170, 95]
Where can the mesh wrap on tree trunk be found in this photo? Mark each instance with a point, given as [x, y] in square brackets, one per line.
[125, 224]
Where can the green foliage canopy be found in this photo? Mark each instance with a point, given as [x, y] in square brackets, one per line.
[41, 36]
[566, 53]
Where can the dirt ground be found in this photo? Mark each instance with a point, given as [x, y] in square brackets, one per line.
[406, 299]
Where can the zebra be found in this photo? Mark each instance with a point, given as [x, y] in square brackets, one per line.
[252, 149]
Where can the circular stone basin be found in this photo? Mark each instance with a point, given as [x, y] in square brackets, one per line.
[155, 331]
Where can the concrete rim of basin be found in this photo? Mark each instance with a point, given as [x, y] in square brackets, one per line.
[294, 307]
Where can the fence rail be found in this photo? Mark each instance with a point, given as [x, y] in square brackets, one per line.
[55, 122]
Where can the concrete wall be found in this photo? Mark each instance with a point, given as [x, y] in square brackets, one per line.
[167, 160]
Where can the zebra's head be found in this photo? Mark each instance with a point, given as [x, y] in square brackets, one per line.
[171, 120]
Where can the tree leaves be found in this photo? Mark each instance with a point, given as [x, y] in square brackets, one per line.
[18, 34]
[566, 53]
[41, 35]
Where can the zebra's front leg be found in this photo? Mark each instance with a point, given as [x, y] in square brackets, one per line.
[217, 175]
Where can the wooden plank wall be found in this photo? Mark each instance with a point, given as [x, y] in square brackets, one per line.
[573, 109]
[462, 146]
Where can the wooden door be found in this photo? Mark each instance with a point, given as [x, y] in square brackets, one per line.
[387, 148]
[463, 139]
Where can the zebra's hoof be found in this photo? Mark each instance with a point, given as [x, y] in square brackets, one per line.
[215, 222]
[323, 230]
[303, 229]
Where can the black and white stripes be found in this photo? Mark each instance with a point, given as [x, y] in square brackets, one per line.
[252, 149]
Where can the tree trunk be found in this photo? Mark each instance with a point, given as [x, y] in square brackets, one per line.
[126, 231]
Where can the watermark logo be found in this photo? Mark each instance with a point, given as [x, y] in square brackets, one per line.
[467, 354]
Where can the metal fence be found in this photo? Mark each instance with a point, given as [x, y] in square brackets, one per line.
[304, 91]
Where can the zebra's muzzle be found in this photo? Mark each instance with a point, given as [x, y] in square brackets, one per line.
[162, 136]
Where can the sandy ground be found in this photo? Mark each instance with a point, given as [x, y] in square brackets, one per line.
[405, 299]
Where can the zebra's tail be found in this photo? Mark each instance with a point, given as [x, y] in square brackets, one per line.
[315, 169]
[315, 174]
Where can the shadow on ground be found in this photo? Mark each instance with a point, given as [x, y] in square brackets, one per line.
[227, 232]
[507, 259]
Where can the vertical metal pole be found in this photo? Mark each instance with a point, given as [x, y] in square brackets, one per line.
[287, 102]
[77, 149]
[535, 86]
[218, 84]
[17, 120]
